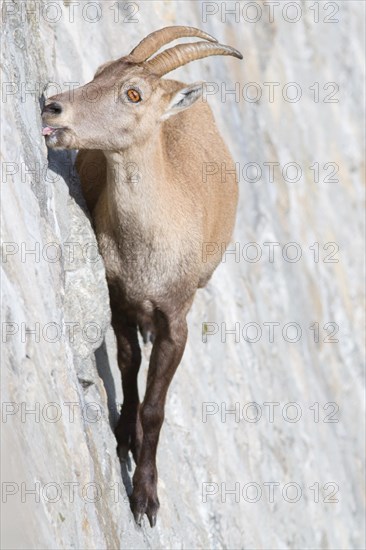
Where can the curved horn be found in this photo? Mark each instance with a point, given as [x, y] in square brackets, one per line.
[175, 57]
[154, 41]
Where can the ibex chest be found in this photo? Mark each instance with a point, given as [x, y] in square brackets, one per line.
[145, 258]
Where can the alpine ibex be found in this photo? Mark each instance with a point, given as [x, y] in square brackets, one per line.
[153, 213]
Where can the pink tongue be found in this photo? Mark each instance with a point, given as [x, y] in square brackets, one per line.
[47, 131]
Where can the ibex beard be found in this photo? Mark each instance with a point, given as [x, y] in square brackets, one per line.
[148, 140]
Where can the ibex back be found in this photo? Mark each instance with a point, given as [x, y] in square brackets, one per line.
[145, 143]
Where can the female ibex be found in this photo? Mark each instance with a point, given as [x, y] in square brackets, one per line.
[153, 212]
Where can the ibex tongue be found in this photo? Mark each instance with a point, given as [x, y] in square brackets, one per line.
[47, 131]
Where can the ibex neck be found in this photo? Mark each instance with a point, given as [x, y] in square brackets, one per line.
[135, 177]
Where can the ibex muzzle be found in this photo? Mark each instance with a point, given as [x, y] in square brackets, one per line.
[144, 143]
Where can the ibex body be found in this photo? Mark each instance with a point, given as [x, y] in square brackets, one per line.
[148, 141]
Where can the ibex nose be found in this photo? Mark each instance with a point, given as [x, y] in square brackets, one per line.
[53, 108]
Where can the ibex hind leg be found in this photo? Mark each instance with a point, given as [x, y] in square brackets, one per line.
[129, 430]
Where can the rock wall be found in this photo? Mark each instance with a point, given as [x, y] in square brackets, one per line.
[292, 452]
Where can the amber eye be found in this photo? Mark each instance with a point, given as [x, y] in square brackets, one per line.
[133, 95]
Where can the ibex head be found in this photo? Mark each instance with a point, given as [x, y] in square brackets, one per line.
[127, 99]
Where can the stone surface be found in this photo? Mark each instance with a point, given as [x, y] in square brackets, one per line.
[66, 371]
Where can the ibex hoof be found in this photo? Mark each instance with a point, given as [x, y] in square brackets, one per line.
[152, 519]
[138, 518]
[147, 506]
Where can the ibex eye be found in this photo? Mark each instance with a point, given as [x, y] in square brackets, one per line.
[133, 95]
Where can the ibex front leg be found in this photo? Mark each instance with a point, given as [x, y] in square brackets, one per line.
[171, 337]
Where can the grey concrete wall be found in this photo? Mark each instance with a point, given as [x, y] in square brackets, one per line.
[316, 444]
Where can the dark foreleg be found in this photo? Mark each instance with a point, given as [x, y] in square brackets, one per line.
[170, 341]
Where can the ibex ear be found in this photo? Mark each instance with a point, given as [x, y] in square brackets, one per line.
[183, 99]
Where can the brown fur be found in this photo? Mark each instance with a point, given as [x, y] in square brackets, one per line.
[151, 230]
